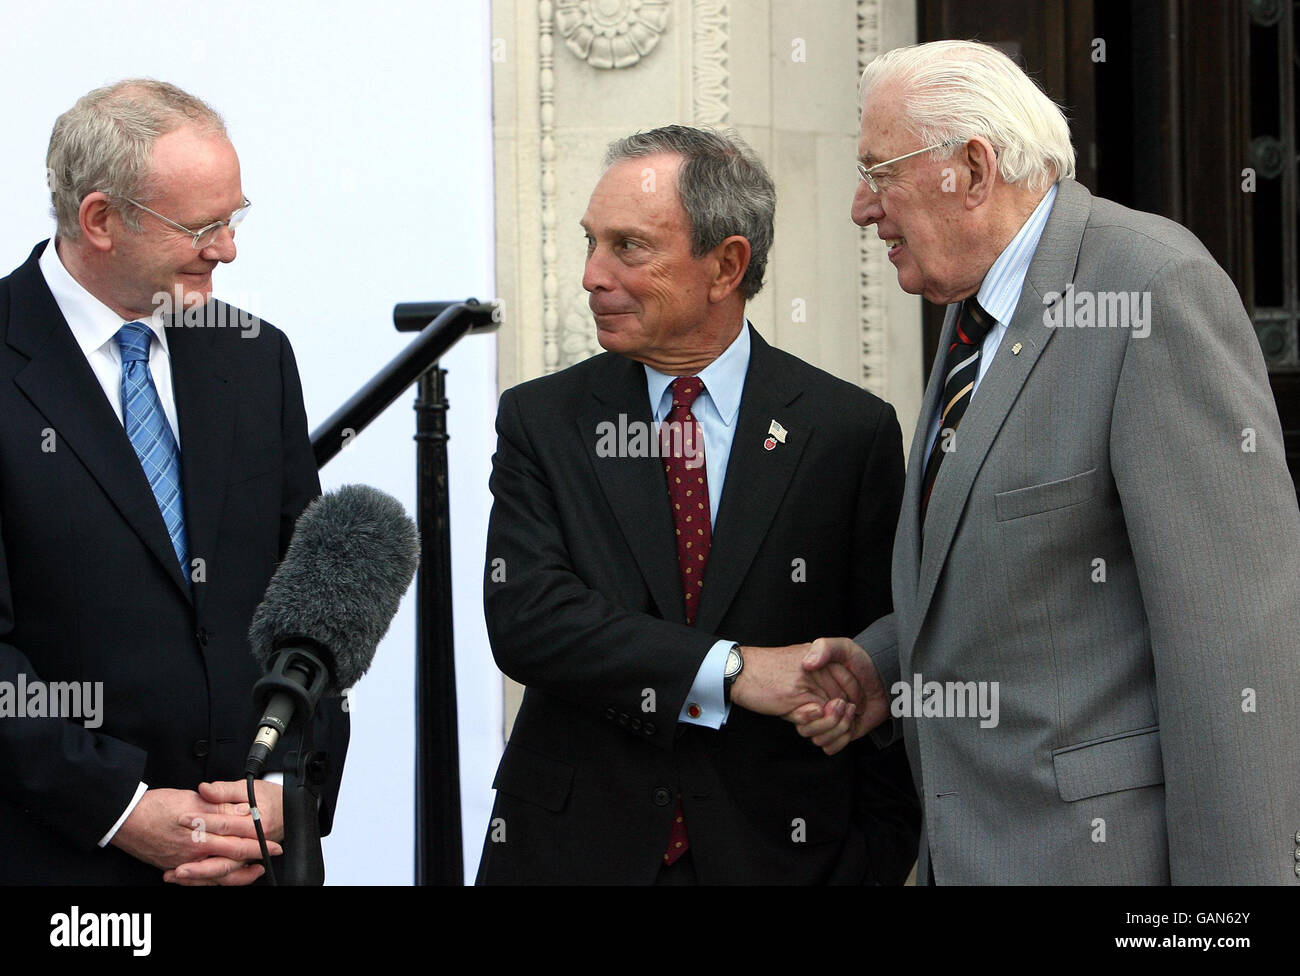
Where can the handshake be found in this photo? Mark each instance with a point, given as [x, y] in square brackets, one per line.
[829, 689]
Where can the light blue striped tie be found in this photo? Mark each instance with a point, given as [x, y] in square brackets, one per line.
[151, 435]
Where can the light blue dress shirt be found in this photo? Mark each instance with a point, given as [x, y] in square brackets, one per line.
[999, 293]
[716, 410]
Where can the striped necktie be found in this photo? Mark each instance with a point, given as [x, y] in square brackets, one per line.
[960, 368]
[151, 435]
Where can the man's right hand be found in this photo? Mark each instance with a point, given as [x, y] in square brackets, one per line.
[166, 829]
[840, 663]
[774, 682]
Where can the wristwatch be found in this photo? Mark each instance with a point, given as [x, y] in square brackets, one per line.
[735, 664]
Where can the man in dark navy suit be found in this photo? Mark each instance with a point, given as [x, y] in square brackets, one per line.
[670, 520]
[151, 471]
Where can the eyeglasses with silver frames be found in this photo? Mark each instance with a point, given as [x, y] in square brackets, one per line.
[204, 235]
[868, 172]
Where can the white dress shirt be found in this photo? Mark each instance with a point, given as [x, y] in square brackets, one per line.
[95, 326]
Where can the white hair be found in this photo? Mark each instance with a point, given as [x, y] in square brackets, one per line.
[953, 91]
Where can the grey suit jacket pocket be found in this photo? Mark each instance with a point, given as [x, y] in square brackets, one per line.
[1124, 761]
[533, 777]
[1046, 497]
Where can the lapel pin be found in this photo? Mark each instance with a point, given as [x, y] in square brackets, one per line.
[775, 433]
[1015, 350]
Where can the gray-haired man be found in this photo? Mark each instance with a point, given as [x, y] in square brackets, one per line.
[149, 481]
[649, 593]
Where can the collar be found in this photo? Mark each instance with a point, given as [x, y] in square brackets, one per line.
[1000, 291]
[724, 380]
[93, 323]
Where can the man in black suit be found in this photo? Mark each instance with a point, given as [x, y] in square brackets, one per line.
[153, 460]
[649, 584]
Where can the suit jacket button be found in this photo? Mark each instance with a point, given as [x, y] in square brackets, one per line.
[611, 713]
[202, 636]
[663, 796]
[200, 748]
[636, 725]
[1297, 836]
[648, 728]
[1297, 870]
[623, 719]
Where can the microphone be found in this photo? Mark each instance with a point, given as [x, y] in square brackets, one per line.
[353, 555]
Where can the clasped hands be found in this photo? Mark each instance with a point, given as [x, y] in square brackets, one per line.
[829, 689]
[205, 837]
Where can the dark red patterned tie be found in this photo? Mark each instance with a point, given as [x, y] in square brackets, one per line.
[682, 448]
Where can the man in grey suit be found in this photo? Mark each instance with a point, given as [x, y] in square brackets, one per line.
[1093, 651]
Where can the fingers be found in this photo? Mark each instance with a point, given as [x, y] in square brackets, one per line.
[847, 680]
[840, 735]
[836, 738]
[240, 847]
[231, 825]
[227, 792]
[831, 729]
[827, 649]
[824, 720]
[215, 871]
[805, 713]
[837, 681]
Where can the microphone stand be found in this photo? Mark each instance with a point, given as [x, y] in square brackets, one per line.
[303, 863]
[293, 685]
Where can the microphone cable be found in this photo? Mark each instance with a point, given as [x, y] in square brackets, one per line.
[257, 825]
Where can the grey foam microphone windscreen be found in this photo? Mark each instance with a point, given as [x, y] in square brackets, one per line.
[353, 555]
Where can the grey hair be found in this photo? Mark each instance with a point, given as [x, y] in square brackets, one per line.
[953, 91]
[105, 143]
[724, 187]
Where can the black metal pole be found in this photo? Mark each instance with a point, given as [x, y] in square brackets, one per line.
[441, 325]
[438, 856]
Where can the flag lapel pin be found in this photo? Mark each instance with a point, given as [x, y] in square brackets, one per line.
[775, 435]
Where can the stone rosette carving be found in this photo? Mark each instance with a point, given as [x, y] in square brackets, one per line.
[611, 33]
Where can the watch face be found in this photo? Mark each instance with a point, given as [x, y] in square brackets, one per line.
[734, 663]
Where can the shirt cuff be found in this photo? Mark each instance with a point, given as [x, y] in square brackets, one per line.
[706, 704]
[139, 793]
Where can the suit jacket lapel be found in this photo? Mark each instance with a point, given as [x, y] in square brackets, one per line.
[635, 486]
[1051, 270]
[205, 414]
[61, 385]
[907, 542]
[756, 478]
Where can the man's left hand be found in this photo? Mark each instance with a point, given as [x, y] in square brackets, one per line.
[224, 870]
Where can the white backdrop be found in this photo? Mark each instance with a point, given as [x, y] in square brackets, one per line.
[364, 135]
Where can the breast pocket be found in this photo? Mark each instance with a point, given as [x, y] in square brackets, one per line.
[256, 462]
[1047, 497]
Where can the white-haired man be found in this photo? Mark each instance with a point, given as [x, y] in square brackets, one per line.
[149, 481]
[1092, 654]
